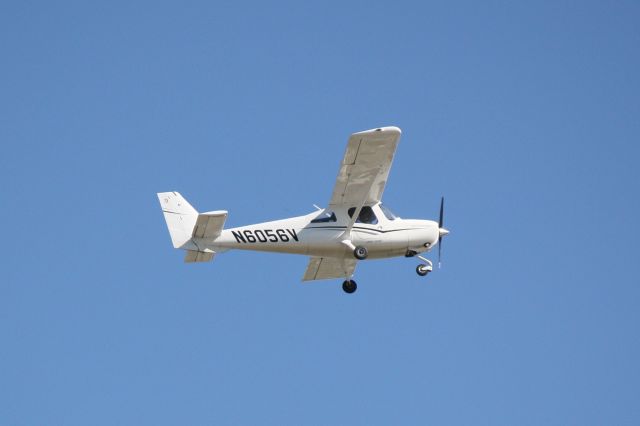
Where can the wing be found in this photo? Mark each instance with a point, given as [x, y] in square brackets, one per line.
[323, 268]
[365, 167]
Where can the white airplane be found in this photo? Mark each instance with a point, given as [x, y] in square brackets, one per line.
[355, 225]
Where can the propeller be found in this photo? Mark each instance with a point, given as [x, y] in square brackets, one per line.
[441, 231]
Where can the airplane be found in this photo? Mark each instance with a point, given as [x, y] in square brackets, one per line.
[353, 227]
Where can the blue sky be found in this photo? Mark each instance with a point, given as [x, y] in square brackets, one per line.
[525, 116]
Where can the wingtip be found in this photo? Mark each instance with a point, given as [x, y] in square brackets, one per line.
[387, 129]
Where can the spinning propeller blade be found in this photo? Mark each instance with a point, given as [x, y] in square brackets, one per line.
[442, 231]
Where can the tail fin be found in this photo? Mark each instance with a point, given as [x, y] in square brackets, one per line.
[189, 229]
[180, 217]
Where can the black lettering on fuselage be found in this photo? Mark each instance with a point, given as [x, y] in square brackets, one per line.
[272, 237]
[265, 235]
[293, 234]
[249, 236]
[238, 236]
[282, 235]
[260, 236]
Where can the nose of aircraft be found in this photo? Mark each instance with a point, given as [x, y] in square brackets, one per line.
[443, 232]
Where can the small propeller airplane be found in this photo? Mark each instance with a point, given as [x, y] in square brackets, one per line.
[355, 225]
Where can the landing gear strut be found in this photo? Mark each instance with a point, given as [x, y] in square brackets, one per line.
[349, 286]
[423, 269]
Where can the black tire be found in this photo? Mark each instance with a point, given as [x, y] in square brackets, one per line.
[349, 286]
[422, 270]
[360, 253]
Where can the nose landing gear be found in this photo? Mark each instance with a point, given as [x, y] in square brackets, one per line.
[423, 269]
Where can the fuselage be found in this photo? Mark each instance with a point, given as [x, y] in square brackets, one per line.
[322, 233]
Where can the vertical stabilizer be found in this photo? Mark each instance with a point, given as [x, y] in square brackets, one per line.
[180, 217]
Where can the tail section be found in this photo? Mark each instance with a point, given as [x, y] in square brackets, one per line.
[180, 217]
[193, 256]
[189, 229]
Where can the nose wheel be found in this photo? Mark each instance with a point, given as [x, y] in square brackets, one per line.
[349, 286]
[423, 269]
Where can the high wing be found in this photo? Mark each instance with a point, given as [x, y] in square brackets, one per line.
[365, 167]
[323, 268]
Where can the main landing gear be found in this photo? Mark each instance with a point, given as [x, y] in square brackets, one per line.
[349, 286]
[360, 253]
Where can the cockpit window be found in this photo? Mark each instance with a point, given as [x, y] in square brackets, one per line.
[388, 213]
[325, 216]
[366, 215]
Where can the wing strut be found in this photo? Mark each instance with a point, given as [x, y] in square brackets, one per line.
[346, 236]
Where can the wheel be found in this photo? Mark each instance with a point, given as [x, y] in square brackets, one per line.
[423, 269]
[360, 253]
[349, 286]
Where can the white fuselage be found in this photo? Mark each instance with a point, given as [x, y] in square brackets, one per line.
[307, 235]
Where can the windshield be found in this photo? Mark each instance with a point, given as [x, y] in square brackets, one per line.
[388, 213]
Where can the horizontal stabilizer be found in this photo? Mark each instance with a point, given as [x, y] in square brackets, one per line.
[198, 256]
[209, 225]
[324, 268]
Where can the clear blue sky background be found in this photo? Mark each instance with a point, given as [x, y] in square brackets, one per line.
[525, 116]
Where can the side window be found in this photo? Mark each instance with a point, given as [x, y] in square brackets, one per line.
[366, 215]
[325, 216]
